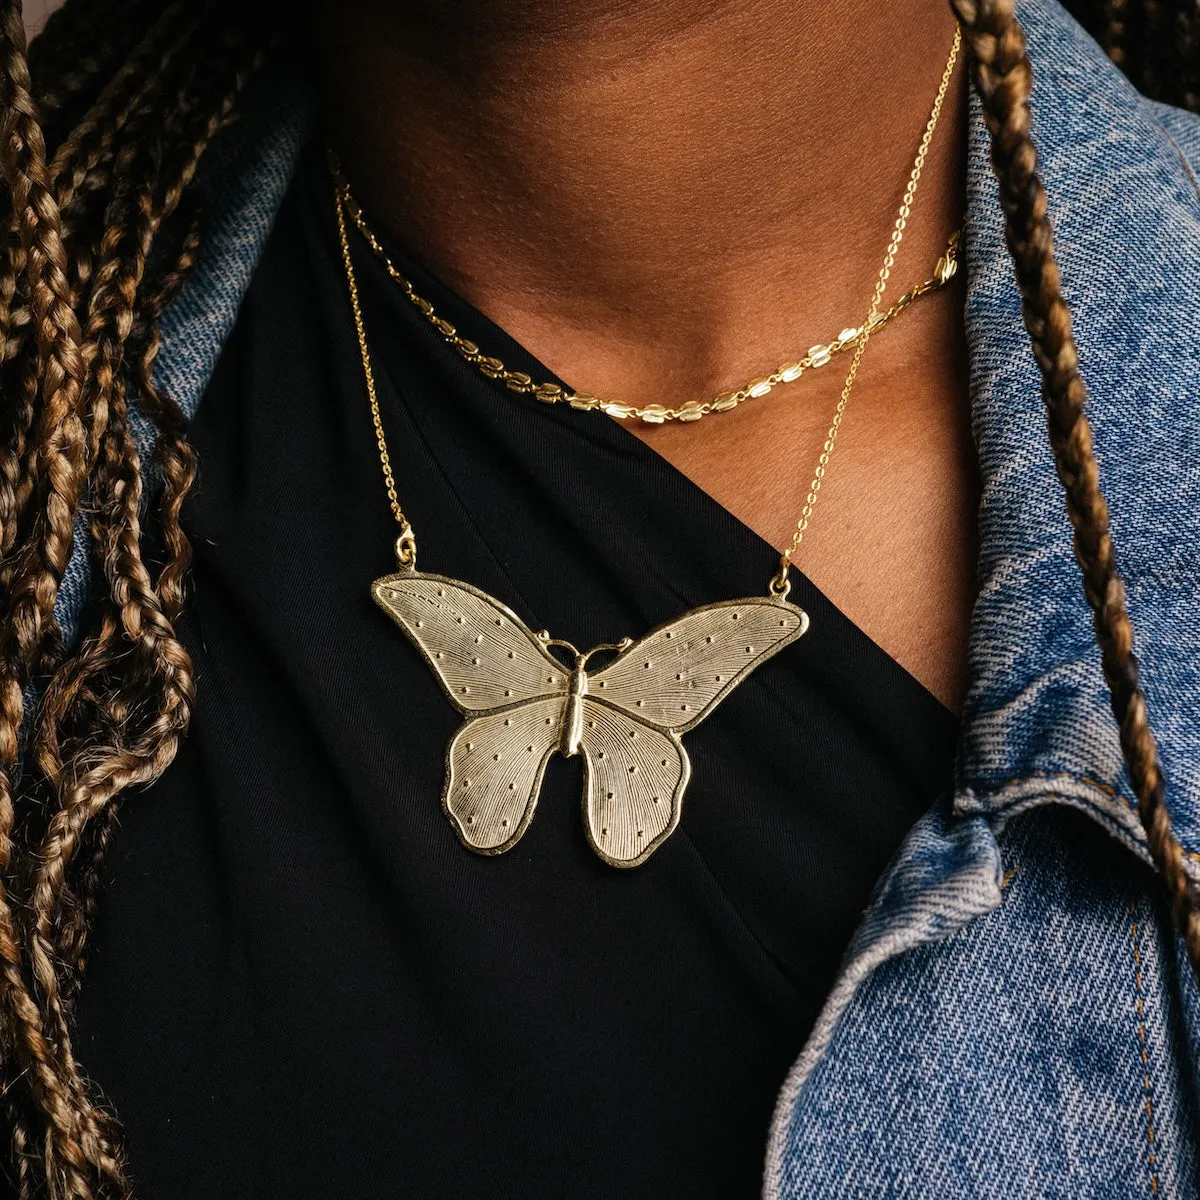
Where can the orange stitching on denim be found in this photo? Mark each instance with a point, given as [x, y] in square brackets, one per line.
[1107, 789]
[1151, 1159]
[1183, 158]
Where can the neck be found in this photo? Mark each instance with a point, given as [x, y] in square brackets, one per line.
[655, 195]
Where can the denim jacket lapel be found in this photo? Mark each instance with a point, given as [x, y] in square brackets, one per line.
[1126, 211]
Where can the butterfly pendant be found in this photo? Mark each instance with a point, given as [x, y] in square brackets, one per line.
[626, 719]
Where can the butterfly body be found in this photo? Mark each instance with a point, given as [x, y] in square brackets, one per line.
[625, 719]
[572, 722]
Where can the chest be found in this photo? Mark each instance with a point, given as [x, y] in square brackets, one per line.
[892, 535]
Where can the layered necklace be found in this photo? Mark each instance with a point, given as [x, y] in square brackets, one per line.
[522, 701]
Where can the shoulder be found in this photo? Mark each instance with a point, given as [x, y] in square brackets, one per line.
[243, 179]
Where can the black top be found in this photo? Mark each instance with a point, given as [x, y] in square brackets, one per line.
[302, 984]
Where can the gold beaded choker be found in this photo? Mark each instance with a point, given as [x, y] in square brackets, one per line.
[522, 383]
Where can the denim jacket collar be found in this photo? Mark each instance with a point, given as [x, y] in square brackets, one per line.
[1126, 210]
[1126, 206]
[1037, 726]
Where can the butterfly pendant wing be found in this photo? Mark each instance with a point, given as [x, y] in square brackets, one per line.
[494, 669]
[643, 701]
[678, 673]
[494, 769]
[482, 653]
[631, 716]
[633, 784]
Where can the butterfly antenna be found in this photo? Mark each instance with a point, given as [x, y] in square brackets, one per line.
[543, 636]
[620, 647]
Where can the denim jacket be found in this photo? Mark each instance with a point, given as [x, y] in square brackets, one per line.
[1015, 1016]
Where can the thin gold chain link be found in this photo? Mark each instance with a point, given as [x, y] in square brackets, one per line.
[819, 355]
[406, 543]
[780, 585]
[519, 381]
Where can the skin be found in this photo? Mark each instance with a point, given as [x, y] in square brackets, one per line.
[664, 198]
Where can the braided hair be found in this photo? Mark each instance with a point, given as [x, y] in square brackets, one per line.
[103, 121]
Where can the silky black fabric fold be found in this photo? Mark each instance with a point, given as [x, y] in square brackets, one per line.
[302, 985]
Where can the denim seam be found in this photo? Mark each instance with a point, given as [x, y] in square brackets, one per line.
[1188, 169]
[1140, 1011]
[989, 800]
[981, 786]
[998, 806]
[1133, 841]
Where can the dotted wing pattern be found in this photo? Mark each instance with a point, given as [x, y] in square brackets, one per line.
[481, 651]
[633, 784]
[677, 674]
[494, 769]
[634, 710]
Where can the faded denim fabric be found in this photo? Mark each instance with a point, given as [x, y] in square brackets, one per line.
[1014, 1017]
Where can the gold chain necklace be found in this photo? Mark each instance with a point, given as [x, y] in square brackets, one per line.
[523, 383]
[626, 719]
